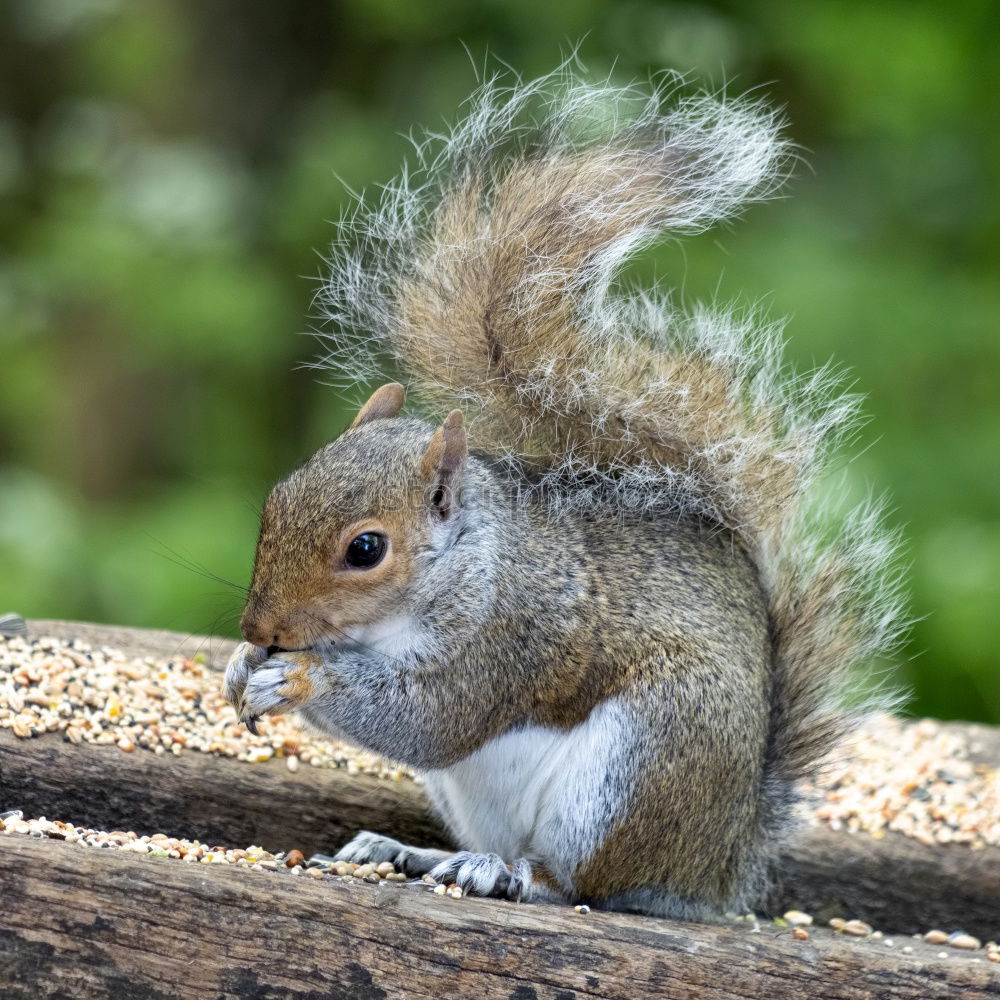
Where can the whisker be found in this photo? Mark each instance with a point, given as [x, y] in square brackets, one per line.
[171, 555]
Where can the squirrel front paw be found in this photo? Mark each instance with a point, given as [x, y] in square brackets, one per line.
[261, 685]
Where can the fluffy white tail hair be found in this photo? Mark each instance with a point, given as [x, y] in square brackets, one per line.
[486, 275]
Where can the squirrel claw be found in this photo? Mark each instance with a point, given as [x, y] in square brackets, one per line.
[250, 722]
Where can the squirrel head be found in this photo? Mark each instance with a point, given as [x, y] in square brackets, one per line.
[342, 537]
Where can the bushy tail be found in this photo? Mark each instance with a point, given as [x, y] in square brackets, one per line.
[486, 277]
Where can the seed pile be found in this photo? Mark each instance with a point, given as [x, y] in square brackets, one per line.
[915, 779]
[166, 706]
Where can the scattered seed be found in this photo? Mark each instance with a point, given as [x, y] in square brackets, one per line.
[798, 919]
[800, 934]
[964, 941]
[294, 858]
[157, 845]
[582, 908]
[936, 937]
[856, 928]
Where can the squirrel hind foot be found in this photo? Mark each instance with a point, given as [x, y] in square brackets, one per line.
[486, 875]
[373, 848]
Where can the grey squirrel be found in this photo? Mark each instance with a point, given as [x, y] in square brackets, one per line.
[593, 605]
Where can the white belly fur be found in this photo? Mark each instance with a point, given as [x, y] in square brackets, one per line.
[541, 793]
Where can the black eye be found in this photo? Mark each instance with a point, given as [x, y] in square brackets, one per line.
[365, 550]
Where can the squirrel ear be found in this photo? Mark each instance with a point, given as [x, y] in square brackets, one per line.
[383, 403]
[443, 462]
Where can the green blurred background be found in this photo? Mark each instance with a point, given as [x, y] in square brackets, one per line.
[168, 171]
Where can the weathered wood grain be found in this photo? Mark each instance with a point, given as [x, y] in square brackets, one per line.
[86, 923]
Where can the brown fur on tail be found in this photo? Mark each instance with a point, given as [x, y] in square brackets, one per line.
[487, 279]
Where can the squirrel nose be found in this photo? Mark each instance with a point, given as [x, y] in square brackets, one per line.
[258, 633]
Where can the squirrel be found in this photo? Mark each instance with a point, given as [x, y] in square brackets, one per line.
[595, 602]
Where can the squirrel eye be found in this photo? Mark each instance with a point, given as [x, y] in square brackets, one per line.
[366, 550]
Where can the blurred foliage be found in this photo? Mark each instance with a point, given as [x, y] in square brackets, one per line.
[168, 170]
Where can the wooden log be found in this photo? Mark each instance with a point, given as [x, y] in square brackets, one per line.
[87, 923]
[894, 883]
